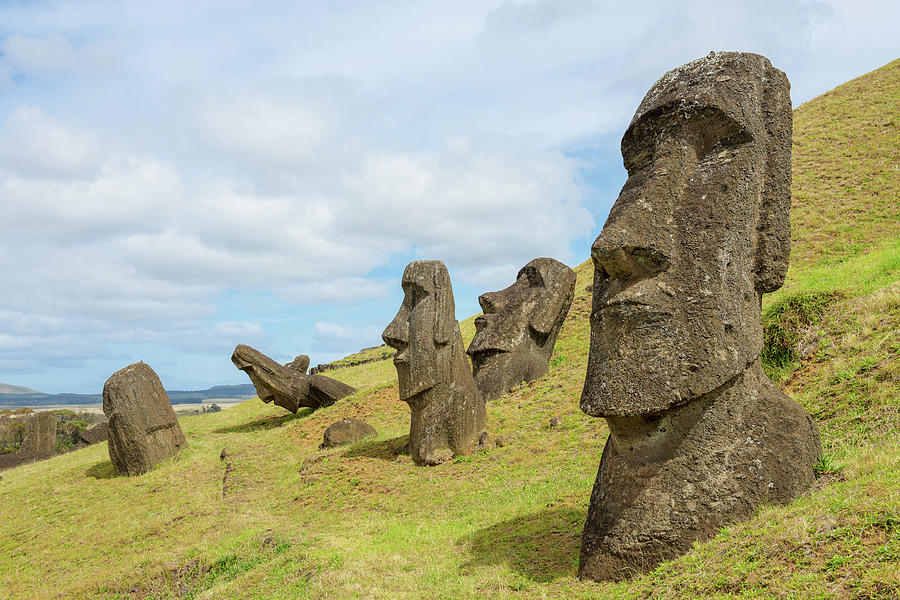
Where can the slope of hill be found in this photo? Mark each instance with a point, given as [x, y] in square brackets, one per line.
[6, 388]
[280, 518]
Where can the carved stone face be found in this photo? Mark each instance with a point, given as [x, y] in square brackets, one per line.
[422, 330]
[514, 337]
[696, 235]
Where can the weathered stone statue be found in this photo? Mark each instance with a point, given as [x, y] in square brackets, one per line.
[288, 386]
[143, 430]
[448, 412]
[515, 336]
[40, 433]
[699, 437]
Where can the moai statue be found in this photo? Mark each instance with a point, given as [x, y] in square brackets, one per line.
[288, 386]
[40, 433]
[143, 430]
[448, 412]
[515, 336]
[699, 437]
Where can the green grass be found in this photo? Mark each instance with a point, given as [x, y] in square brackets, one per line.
[282, 519]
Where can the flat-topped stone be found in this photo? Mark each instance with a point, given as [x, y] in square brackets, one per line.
[143, 430]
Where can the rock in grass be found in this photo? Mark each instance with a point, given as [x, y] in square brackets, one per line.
[143, 430]
[95, 434]
[346, 431]
[40, 433]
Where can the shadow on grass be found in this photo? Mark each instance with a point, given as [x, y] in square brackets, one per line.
[264, 424]
[102, 470]
[542, 546]
[383, 449]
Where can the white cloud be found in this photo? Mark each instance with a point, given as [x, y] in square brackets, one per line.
[34, 144]
[306, 152]
[52, 54]
[28, 54]
[335, 337]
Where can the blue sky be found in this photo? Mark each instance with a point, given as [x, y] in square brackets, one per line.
[177, 178]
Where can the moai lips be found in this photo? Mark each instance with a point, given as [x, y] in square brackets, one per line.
[448, 413]
[520, 324]
[698, 436]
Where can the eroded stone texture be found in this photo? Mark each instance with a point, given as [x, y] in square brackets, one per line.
[288, 386]
[448, 412]
[698, 436]
[40, 433]
[346, 431]
[95, 434]
[515, 336]
[143, 430]
[299, 364]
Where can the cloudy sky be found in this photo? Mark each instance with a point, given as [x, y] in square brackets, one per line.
[180, 177]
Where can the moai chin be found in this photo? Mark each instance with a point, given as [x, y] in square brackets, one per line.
[515, 336]
[448, 412]
[699, 437]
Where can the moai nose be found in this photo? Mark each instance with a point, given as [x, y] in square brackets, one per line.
[628, 262]
[396, 334]
[492, 302]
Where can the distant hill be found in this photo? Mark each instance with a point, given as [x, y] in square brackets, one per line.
[31, 398]
[6, 388]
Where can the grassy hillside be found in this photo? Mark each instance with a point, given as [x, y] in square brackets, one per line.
[279, 518]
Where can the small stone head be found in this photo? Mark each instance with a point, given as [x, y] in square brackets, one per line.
[698, 233]
[520, 324]
[424, 329]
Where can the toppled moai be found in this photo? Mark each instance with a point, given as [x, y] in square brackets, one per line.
[143, 430]
[40, 433]
[448, 415]
[288, 386]
[515, 336]
[699, 437]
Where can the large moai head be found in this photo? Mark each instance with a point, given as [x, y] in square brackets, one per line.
[699, 437]
[698, 233]
[515, 336]
[424, 329]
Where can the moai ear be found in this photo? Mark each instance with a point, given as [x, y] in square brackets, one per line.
[444, 307]
[560, 288]
[774, 229]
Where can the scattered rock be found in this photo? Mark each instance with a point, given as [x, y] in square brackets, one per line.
[143, 430]
[515, 336]
[9, 461]
[346, 431]
[95, 434]
[448, 413]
